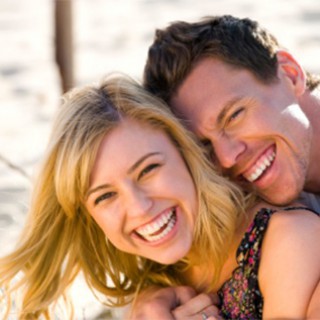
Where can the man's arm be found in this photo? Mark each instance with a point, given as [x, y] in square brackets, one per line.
[157, 303]
[173, 303]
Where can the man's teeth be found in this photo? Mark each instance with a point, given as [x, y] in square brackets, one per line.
[261, 166]
[150, 232]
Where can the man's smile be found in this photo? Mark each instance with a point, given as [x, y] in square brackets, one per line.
[260, 166]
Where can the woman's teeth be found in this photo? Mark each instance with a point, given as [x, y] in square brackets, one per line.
[159, 228]
[261, 166]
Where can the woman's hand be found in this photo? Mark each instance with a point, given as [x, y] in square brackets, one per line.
[174, 303]
[201, 307]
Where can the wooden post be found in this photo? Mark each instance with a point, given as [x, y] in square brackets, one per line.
[64, 42]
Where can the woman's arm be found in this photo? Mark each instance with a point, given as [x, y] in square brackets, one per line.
[314, 306]
[290, 264]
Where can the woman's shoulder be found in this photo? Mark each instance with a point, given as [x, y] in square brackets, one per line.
[292, 221]
[292, 226]
[291, 215]
[276, 227]
[296, 219]
[290, 251]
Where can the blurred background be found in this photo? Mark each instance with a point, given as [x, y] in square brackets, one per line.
[102, 36]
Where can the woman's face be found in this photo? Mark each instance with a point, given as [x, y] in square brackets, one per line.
[141, 193]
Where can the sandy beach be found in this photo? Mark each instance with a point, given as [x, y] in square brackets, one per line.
[109, 35]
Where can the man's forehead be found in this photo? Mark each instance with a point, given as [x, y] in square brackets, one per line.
[190, 115]
[199, 110]
[209, 90]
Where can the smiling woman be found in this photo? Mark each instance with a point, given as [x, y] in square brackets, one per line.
[146, 204]
[127, 196]
[118, 197]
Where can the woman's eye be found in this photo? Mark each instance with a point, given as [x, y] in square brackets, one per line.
[147, 169]
[105, 196]
[235, 114]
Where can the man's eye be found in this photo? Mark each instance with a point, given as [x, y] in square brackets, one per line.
[105, 196]
[147, 169]
[235, 114]
[208, 148]
[207, 145]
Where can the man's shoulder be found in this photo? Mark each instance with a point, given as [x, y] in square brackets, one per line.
[311, 200]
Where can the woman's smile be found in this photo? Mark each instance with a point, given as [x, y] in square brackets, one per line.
[159, 228]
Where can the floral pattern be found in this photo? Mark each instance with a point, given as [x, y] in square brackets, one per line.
[240, 296]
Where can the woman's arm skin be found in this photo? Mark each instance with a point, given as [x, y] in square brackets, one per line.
[202, 303]
[290, 264]
[314, 306]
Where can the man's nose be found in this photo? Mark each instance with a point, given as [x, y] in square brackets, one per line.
[138, 202]
[227, 151]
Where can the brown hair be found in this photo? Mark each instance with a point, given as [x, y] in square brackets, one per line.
[242, 43]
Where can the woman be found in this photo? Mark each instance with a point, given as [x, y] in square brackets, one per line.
[127, 196]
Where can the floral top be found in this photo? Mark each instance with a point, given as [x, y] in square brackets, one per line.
[240, 296]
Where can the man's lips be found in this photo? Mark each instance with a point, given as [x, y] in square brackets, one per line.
[260, 166]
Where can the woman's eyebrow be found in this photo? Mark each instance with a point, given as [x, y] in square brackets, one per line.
[130, 170]
[137, 163]
[103, 186]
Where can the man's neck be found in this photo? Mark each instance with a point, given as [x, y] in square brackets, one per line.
[311, 106]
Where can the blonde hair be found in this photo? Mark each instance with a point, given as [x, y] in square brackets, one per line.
[60, 238]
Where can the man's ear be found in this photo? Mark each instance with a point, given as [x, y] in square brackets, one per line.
[290, 68]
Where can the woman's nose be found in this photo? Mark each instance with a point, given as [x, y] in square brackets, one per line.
[138, 202]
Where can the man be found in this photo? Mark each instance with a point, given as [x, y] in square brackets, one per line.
[250, 102]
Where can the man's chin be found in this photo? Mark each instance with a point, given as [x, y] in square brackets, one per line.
[278, 199]
[275, 198]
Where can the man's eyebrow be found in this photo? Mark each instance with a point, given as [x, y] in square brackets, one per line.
[228, 105]
[130, 170]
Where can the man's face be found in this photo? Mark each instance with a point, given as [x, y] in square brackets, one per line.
[259, 134]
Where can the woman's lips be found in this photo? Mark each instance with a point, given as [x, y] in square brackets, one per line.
[158, 228]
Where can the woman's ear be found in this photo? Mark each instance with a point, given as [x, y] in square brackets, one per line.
[290, 68]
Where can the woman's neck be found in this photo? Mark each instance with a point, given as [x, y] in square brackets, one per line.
[200, 276]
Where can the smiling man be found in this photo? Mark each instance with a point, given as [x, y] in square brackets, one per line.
[250, 102]
[241, 93]
[260, 135]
